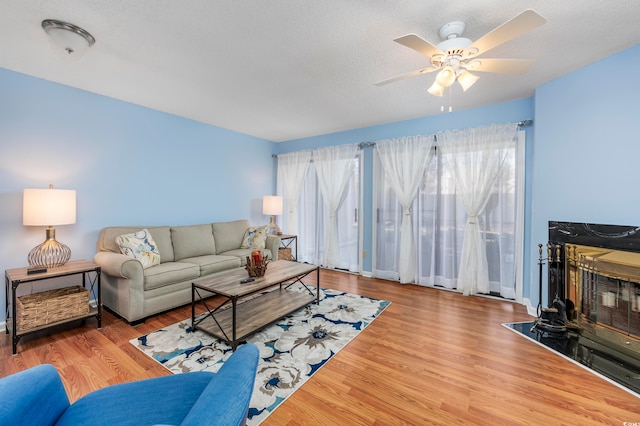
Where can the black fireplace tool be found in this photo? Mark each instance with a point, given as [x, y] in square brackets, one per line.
[554, 318]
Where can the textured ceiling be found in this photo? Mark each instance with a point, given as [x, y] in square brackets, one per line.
[286, 69]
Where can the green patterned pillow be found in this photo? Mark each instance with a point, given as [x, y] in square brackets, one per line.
[141, 246]
[255, 236]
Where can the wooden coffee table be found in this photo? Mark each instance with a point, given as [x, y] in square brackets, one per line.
[253, 306]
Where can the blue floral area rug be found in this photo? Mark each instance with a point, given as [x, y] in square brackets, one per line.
[291, 350]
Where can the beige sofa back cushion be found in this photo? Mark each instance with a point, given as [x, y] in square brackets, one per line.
[228, 235]
[161, 235]
[192, 241]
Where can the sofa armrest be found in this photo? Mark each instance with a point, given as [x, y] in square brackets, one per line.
[225, 401]
[32, 397]
[273, 243]
[119, 265]
[122, 284]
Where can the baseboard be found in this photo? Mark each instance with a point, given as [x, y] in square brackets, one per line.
[531, 310]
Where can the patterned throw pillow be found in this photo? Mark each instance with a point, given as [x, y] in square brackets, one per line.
[140, 245]
[255, 236]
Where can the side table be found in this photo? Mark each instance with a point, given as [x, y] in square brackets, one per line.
[286, 241]
[15, 277]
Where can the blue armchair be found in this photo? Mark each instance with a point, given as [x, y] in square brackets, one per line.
[37, 397]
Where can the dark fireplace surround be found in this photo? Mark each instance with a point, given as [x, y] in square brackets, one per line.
[596, 269]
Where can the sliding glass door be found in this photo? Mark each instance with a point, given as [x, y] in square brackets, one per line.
[313, 221]
[439, 222]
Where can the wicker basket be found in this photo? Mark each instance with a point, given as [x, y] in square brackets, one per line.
[46, 307]
[284, 253]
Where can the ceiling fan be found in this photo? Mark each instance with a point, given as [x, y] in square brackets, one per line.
[455, 56]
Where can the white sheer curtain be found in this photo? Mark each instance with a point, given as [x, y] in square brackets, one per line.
[334, 166]
[404, 161]
[439, 220]
[475, 157]
[292, 170]
[312, 219]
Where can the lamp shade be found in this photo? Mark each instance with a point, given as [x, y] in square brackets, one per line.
[272, 205]
[46, 207]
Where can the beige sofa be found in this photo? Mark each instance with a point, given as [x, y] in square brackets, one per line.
[186, 254]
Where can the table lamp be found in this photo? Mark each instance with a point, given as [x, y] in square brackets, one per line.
[272, 205]
[48, 207]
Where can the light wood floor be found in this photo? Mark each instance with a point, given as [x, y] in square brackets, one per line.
[433, 357]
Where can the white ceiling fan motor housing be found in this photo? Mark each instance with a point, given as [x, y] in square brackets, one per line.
[452, 43]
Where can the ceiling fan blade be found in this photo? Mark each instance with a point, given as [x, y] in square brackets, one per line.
[403, 76]
[523, 23]
[500, 66]
[418, 44]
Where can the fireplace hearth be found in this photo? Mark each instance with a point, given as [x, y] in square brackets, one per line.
[620, 367]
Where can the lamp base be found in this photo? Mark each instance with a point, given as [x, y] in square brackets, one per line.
[50, 253]
[273, 227]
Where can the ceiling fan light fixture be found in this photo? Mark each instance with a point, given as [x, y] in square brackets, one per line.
[446, 76]
[436, 89]
[69, 38]
[466, 79]
[455, 56]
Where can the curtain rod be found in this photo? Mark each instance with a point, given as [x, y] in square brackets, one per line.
[523, 123]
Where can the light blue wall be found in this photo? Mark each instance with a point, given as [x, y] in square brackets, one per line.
[129, 165]
[587, 147]
[495, 114]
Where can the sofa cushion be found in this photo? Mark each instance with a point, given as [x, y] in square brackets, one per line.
[228, 235]
[140, 245]
[192, 241]
[213, 263]
[169, 273]
[161, 235]
[255, 236]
